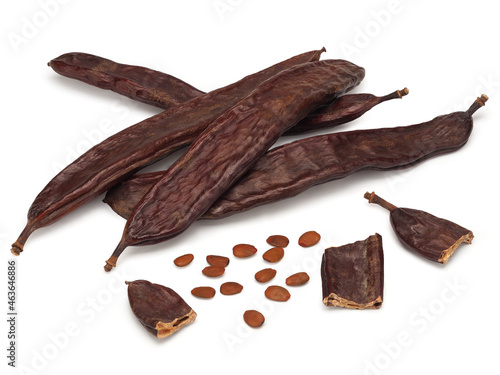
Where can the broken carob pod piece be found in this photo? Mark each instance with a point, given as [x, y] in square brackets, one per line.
[430, 236]
[353, 274]
[290, 169]
[137, 146]
[159, 309]
[229, 147]
[136, 82]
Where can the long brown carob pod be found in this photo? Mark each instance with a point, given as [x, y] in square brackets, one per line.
[230, 146]
[124, 196]
[159, 309]
[290, 169]
[353, 275]
[430, 236]
[124, 153]
[136, 82]
[163, 90]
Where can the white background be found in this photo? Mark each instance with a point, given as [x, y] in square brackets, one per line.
[74, 317]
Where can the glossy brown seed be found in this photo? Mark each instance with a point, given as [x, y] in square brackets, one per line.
[203, 292]
[277, 293]
[159, 309]
[297, 279]
[230, 288]
[278, 241]
[213, 271]
[273, 255]
[253, 318]
[309, 239]
[265, 275]
[183, 260]
[244, 250]
[217, 260]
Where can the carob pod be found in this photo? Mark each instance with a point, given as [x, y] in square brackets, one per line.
[430, 236]
[163, 90]
[136, 82]
[353, 275]
[124, 153]
[290, 169]
[159, 309]
[229, 147]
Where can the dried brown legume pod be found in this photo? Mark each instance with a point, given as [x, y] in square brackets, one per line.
[163, 90]
[353, 274]
[290, 169]
[124, 153]
[430, 236]
[159, 309]
[136, 82]
[229, 147]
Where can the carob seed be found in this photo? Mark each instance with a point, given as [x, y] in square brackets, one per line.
[277, 293]
[217, 260]
[183, 260]
[278, 241]
[244, 250]
[309, 239]
[203, 292]
[253, 318]
[274, 255]
[297, 279]
[265, 275]
[213, 271]
[230, 288]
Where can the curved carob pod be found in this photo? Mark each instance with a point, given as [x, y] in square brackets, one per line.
[430, 236]
[290, 169]
[136, 82]
[344, 109]
[125, 152]
[124, 196]
[229, 147]
[163, 90]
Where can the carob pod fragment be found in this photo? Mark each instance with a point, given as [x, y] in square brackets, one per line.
[159, 309]
[288, 170]
[353, 274]
[229, 147]
[430, 236]
[124, 153]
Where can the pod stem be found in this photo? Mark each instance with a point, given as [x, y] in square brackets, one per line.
[18, 246]
[478, 103]
[398, 94]
[111, 262]
[374, 198]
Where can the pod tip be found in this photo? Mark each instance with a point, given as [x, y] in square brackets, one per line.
[478, 103]
[16, 250]
[403, 92]
[369, 196]
[110, 264]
